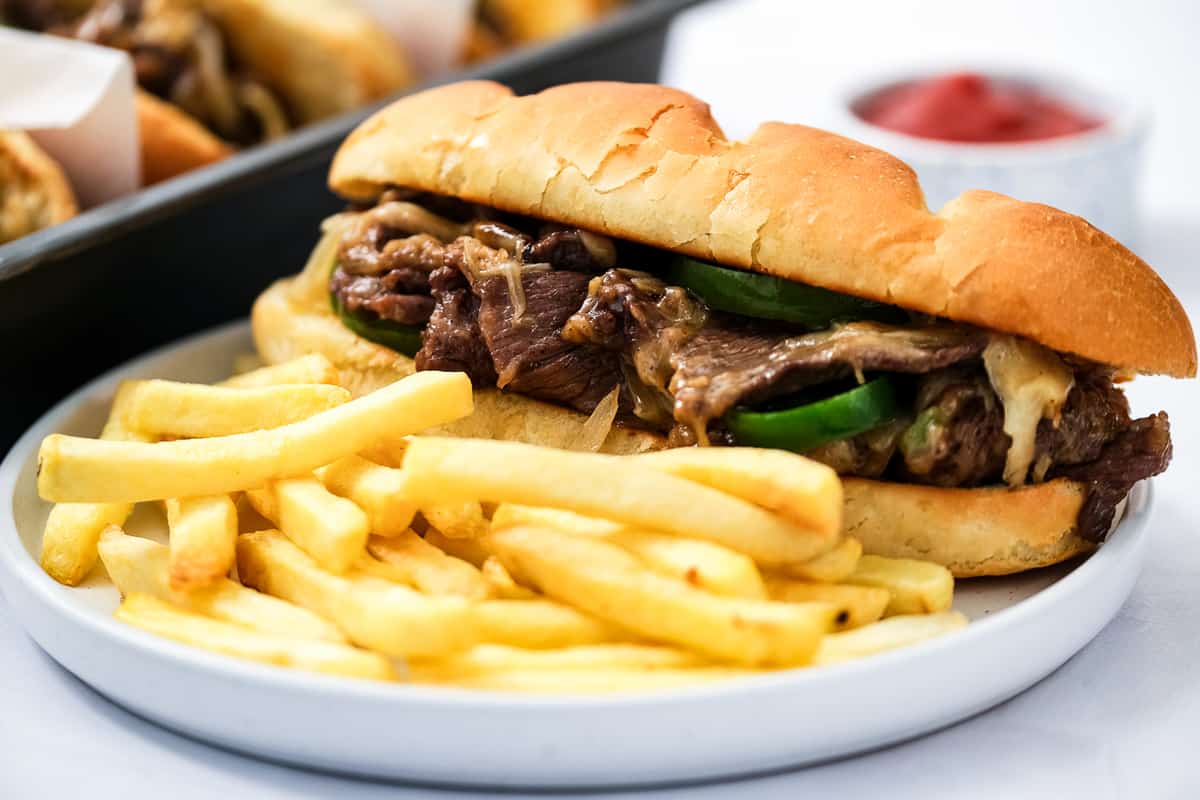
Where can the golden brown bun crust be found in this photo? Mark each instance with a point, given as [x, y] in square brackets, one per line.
[323, 56]
[974, 532]
[290, 320]
[34, 192]
[650, 164]
[172, 141]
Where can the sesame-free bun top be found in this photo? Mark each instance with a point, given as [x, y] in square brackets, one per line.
[650, 164]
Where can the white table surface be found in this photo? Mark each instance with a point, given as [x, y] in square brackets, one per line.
[1119, 720]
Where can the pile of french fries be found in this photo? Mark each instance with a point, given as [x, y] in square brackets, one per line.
[315, 531]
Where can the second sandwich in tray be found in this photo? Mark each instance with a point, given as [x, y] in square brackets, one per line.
[604, 245]
[218, 74]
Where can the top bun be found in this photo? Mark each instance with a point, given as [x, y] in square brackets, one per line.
[650, 164]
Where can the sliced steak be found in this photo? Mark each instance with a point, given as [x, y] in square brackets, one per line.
[644, 321]
[452, 341]
[731, 363]
[958, 437]
[1138, 452]
[866, 455]
[1095, 412]
[529, 353]
[567, 248]
[400, 295]
[376, 249]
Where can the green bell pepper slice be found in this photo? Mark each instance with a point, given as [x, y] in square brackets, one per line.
[753, 295]
[805, 427]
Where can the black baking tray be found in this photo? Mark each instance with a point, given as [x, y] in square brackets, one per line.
[83, 296]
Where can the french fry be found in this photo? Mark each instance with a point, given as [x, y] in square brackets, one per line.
[503, 585]
[832, 567]
[473, 551]
[329, 528]
[203, 535]
[704, 565]
[140, 566]
[509, 514]
[797, 488]
[614, 487]
[856, 605]
[463, 520]
[374, 488]
[312, 368]
[492, 658]
[888, 634]
[194, 410]
[372, 612]
[388, 452]
[917, 587]
[154, 615]
[411, 560]
[73, 529]
[602, 579]
[593, 681]
[540, 624]
[74, 469]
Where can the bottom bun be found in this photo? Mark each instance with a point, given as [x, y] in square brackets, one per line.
[974, 532]
[172, 141]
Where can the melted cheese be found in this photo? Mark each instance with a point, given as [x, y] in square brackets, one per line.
[1033, 384]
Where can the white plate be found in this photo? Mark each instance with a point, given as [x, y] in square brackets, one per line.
[1023, 629]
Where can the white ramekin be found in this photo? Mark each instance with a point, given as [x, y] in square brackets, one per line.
[1093, 174]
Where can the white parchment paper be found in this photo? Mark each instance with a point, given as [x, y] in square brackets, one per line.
[432, 32]
[77, 101]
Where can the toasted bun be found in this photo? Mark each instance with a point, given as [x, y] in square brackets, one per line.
[322, 56]
[34, 192]
[974, 532]
[172, 141]
[650, 164]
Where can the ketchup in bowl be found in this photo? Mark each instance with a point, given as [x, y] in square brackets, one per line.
[968, 107]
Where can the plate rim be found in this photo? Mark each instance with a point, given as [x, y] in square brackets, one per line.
[19, 565]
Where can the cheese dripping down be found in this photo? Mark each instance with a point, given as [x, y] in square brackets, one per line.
[1033, 384]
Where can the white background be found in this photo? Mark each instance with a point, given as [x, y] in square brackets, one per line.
[1120, 720]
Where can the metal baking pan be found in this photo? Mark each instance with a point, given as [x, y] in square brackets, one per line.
[119, 279]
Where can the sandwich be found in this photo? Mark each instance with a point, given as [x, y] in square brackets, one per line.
[34, 192]
[500, 25]
[604, 249]
[214, 75]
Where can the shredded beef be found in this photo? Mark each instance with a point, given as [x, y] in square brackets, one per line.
[1094, 413]
[564, 248]
[731, 362]
[452, 341]
[377, 250]
[958, 438]
[530, 355]
[401, 295]
[646, 322]
[866, 455]
[1138, 452]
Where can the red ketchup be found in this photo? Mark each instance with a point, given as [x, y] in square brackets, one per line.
[967, 107]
